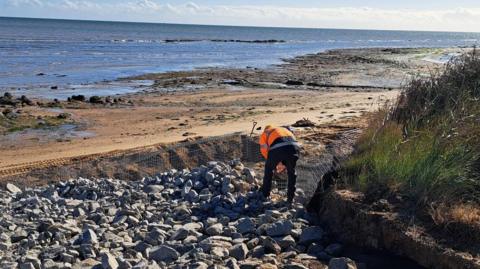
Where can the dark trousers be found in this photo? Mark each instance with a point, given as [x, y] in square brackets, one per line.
[288, 155]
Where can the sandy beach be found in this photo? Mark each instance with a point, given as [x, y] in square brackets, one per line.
[324, 88]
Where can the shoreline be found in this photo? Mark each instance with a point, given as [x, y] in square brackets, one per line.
[324, 87]
[131, 84]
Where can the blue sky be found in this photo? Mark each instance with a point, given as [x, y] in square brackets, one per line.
[440, 15]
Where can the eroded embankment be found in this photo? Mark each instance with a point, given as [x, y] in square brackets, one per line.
[377, 230]
[353, 221]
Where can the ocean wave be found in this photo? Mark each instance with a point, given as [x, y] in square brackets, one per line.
[266, 41]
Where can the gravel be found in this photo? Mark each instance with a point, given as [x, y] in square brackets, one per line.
[208, 217]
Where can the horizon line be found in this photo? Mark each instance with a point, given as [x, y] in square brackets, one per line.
[241, 26]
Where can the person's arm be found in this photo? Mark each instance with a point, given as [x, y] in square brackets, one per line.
[263, 145]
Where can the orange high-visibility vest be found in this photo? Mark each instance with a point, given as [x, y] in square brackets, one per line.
[269, 136]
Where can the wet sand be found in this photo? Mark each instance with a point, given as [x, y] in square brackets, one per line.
[325, 88]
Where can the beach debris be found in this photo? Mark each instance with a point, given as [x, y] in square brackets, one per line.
[205, 217]
[188, 134]
[80, 98]
[64, 116]
[96, 100]
[304, 123]
[294, 83]
[9, 99]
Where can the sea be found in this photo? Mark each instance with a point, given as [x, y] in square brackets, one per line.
[41, 53]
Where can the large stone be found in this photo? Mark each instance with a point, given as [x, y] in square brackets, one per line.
[315, 249]
[239, 251]
[334, 250]
[198, 265]
[279, 228]
[250, 264]
[257, 252]
[18, 236]
[245, 225]
[215, 241]
[26, 265]
[164, 254]
[232, 264]
[193, 226]
[294, 265]
[179, 234]
[154, 189]
[271, 246]
[249, 174]
[89, 237]
[215, 229]
[341, 263]
[310, 235]
[286, 241]
[109, 261]
[12, 188]
[219, 252]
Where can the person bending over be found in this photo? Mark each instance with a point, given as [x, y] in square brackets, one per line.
[278, 145]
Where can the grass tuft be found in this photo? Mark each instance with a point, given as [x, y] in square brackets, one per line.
[427, 146]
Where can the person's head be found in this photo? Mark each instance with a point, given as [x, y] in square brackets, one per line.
[268, 128]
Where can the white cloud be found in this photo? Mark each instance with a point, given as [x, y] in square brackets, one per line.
[20, 3]
[459, 19]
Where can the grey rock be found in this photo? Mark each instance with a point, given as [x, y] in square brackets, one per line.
[87, 251]
[12, 188]
[78, 212]
[4, 246]
[310, 235]
[155, 237]
[219, 252]
[164, 254]
[50, 264]
[215, 229]
[232, 264]
[209, 177]
[26, 265]
[198, 265]
[154, 189]
[334, 250]
[109, 261]
[239, 251]
[315, 249]
[89, 237]
[294, 265]
[215, 241]
[279, 228]
[257, 252]
[193, 226]
[245, 225]
[249, 174]
[286, 241]
[253, 243]
[250, 264]
[179, 234]
[341, 263]
[270, 245]
[18, 236]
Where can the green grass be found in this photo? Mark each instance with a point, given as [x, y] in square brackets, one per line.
[427, 146]
[23, 122]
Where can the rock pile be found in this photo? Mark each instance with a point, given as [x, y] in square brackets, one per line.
[209, 217]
